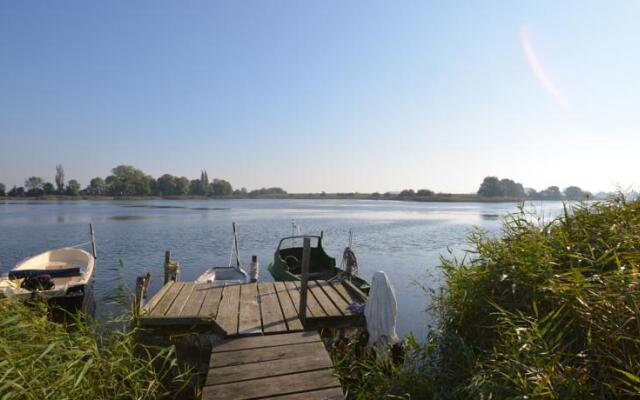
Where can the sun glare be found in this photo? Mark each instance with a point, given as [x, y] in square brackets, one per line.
[538, 69]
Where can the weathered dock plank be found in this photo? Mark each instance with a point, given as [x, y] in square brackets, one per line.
[155, 299]
[335, 297]
[249, 318]
[349, 297]
[325, 302]
[250, 309]
[181, 300]
[322, 394]
[269, 353]
[251, 342]
[288, 308]
[312, 303]
[287, 366]
[211, 302]
[272, 318]
[227, 317]
[272, 386]
[167, 300]
[193, 306]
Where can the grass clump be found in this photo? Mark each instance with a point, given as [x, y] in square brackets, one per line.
[41, 359]
[547, 310]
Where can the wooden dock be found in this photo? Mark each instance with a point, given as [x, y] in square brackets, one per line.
[269, 349]
[251, 308]
[284, 366]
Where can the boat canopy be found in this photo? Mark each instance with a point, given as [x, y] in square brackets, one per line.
[321, 264]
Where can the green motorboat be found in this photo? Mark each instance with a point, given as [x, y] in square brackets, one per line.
[287, 262]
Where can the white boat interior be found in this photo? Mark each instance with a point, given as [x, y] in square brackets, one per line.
[223, 275]
[231, 275]
[67, 268]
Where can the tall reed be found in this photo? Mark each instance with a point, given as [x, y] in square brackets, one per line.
[41, 359]
[546, 310]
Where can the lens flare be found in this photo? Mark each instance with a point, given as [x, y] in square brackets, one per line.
[538, 70]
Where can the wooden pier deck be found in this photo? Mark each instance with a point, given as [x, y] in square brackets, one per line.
[252, 308]
[284, 366]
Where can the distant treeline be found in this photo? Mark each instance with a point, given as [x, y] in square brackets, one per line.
[128, 181]
[494, 187]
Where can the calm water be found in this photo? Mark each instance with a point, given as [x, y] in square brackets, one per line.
[404, 239]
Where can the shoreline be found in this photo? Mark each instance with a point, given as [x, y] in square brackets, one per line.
[453, 198]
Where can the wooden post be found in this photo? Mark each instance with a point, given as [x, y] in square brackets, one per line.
[93, 241]
[306, 259]
[171, 268]
[142, 283]
[235, 244]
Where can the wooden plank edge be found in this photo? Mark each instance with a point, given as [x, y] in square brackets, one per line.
[275, 374]
[355, 291]
[151, 304]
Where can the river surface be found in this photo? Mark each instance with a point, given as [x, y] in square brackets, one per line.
[404, 239]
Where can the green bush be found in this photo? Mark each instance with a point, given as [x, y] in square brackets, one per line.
[41, 359]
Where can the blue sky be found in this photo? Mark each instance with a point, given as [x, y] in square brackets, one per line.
[332, 95]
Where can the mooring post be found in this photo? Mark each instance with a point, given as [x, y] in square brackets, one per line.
[254, 270]
[142, 283]
[171, 268]
[306, 259]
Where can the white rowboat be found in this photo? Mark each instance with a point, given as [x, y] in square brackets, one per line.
[63, 274]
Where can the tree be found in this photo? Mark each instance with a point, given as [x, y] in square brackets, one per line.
[48, 188]
[97, 187]
[166, 185]
[129, 181]
[182, 186]
[2, 189]
[195, 188]
[60, 178]
[491, 187]
[73, 187]
[575, 193]
[220, 187]
[16, 192]
[274, 191]
[204, 182]
[407, 193]
[34, 186]
[425, 193]
[511, 188]
[550, 193]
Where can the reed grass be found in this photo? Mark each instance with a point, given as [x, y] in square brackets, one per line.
[42, 359]
[546, 310]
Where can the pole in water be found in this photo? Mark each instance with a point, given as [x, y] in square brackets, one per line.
[235, 243]
[93, 241]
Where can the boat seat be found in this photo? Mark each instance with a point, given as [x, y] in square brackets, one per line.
[54, 273]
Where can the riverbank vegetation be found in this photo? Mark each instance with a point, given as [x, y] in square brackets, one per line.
[42, 359]
[549, 309]
[127, 182]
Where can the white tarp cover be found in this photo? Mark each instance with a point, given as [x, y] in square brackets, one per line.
[381, 311]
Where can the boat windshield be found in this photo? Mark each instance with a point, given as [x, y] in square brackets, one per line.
[297, 241]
